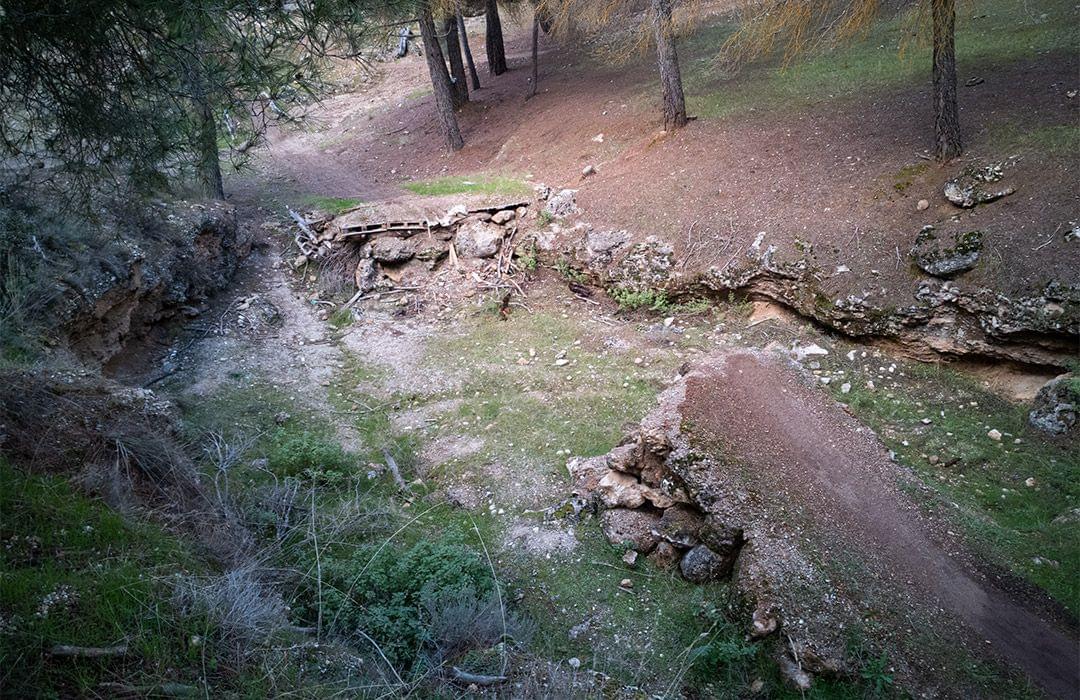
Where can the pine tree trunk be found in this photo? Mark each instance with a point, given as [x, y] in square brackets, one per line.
[947, 143]
[493, 39]
[457, 66]
[468, 52]
[667, 58]
[535, 54]
[440, 81]
[209, 160]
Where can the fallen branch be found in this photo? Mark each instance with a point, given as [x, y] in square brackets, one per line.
[88, 652]
[466, 677]
[391, 463]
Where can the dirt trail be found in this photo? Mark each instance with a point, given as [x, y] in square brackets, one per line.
[770, 420]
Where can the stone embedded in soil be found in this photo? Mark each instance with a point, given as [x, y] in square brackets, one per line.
[945, 262]
[502, 217]
[633, 527]
[701, 565]
[680, 525]
[664, 557]
[967, 189]
[1056, 406]
[477, 239]
[391, 250]
[561, 204]
[366, 275]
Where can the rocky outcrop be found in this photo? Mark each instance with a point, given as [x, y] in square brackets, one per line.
[969, 188]
[169, 260]
[941, 319]
[946, 261]
[1056, 406]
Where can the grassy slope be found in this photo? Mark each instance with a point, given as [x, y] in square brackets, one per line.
[993, 33]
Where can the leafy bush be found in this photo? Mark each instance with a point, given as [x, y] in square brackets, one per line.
[394, 597]
[309, 455]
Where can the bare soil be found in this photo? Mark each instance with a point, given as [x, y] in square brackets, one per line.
[800, 444]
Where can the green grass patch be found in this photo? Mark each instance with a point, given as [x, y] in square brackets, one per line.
[331, 205]
[474, 184]
[999, 32]
[75, 572]
[1010, 493]
[1062, 140]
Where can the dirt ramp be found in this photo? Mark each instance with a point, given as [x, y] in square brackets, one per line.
[830, 544]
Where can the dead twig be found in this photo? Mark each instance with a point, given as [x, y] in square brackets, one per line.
[88, 652]
[466, 677]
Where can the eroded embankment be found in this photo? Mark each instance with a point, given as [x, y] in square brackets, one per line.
[767, 479]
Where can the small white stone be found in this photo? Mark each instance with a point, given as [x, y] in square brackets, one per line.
[994, 435]
[845, 387]
[574, 662]
[923, 205]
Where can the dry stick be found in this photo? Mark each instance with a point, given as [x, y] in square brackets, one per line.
[897, 257]
[466, 677]
[391, 463]
[318, 569]
[88, 652]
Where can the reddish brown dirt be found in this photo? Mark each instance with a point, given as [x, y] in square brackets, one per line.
[825, 174]
[800, 443]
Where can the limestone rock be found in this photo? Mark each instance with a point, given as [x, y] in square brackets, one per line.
[601, 245]
[947, 261]
[477, 239]
[968, 189]
[680, 525]
[502, 217]
[646, 267]
[623, 525]
[366, 275]
[391, 250]
[1056, 406]
[562, 203]
[586, 473]
[619, 490]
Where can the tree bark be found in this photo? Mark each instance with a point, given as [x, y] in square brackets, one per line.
[440, 81]
[667, 59]
[205, 146]
[947, 143]
[535, 54]
[457, 66]
[468, 52]
[493, 39]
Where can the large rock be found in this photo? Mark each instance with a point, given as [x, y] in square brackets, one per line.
[1056, 405]
[633, 527]
[681, 526]
[968, 189]
[620, 490]
[561, 203]
[391, 250]
[477, 239]
[366, 275]
[646, 267]
[947, 261]
[701, 565]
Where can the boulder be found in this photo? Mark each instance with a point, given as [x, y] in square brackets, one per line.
[701, 565]
[633, 527]
[624, 458]
[680, 525]
[562, 203]
[366, 275]
[600, 246]
[725, 541]
[619, 490]
[477, 239]
[968, 189]
[502, 217]
[946, 261]
[586, 473]
[390, 250]
[1056, 406]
